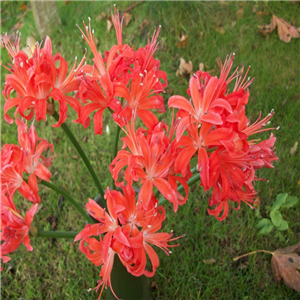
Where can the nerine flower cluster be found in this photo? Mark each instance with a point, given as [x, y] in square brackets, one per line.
[210, 125]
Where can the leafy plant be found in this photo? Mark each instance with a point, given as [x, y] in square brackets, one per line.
[276, 221]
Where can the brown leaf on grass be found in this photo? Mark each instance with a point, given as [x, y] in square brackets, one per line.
[261, 13]
[127, 18]
[209, 261]
[101, 16]
[239, 13]
[154, 286]
[74, 157]
[182, 41]
[243, 266]
[23, 7]
[285, 263]
[223, 2]
[293, 150]
[219, 29]
[201, 67]
[144, 24]
[285, 30]
[185, 69]
[109, 23]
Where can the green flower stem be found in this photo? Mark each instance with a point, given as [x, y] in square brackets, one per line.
[180, 189]
[69, 198]
[57, 234]
[81, 153]
[115, 150]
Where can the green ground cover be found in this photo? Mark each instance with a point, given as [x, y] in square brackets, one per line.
[58, 270]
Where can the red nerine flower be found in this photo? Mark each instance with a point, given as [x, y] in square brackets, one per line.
[129, 228]
[150, 159]
[14, 228]
[28, 158]
[218, 132]
[122, 72]
[97, 90]
[36, 79]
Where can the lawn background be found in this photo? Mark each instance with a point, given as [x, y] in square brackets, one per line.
[59, 270]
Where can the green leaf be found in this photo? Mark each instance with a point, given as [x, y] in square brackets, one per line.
[263, 222]
[290, 201]
[280, 199]
[283, 226]
[266, 229]
[276, 217]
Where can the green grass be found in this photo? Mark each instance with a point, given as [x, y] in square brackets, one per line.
[62, 272]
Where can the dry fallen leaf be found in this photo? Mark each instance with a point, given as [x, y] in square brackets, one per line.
[219, 29]
[209, 261]
[182, 41]
[185, 69]
[75, 157]
[243, 266]
[201, 67]
[239, 13]
[144, 24]
[223, 2]
[109, 23]
[127, 18]
[285, 30]
[261, 13]
[23, 7]
[154, 286]
[101, 16]
[285, 263]
[293, 150]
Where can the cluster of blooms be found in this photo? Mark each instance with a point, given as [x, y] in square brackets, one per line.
[130, 228]
[15, 162]
[212, 127]
[218, 134]
[37, 82]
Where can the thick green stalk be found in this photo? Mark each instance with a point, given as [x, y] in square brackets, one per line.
[81, 153]
[192, 181]
[57, 234]
[69, 198]
[115, 150]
